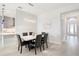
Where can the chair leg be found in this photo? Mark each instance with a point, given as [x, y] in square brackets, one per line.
[46, 44]
[18, 47]
[43, 47]
[21, 50]
[25, 46]
[29, 49]
[40, 48]
[35, 51]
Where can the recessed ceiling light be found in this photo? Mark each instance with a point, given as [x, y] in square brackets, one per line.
[20, 7]
[3, 5]
[31, 4]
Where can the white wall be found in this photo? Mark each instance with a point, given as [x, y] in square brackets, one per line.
[54, 23]
[50, 23]
[22, 22]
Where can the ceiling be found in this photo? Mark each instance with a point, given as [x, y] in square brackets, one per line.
[37, 9]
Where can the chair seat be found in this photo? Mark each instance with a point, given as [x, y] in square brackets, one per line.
[31, 46]
[33, 41]
[25, 42]
[42, 41]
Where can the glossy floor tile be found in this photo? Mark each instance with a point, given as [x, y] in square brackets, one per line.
[68, 48]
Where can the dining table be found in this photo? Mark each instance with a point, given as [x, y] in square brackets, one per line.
[30, 37]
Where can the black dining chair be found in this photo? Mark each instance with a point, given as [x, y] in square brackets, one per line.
[36, 44]
[21, 43]
[44, 40]
[30, 33]
[43, 33]
[25, 34]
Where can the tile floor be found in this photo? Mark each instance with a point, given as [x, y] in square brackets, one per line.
[68, 48]
[53, 50]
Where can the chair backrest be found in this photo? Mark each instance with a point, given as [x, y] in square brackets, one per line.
[19, 39]
[25, 34]
[43, 33]
[45, 37]
[30, 33]
[38, 40]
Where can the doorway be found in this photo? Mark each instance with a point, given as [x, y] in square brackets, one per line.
[71, 34]
[70, 27]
